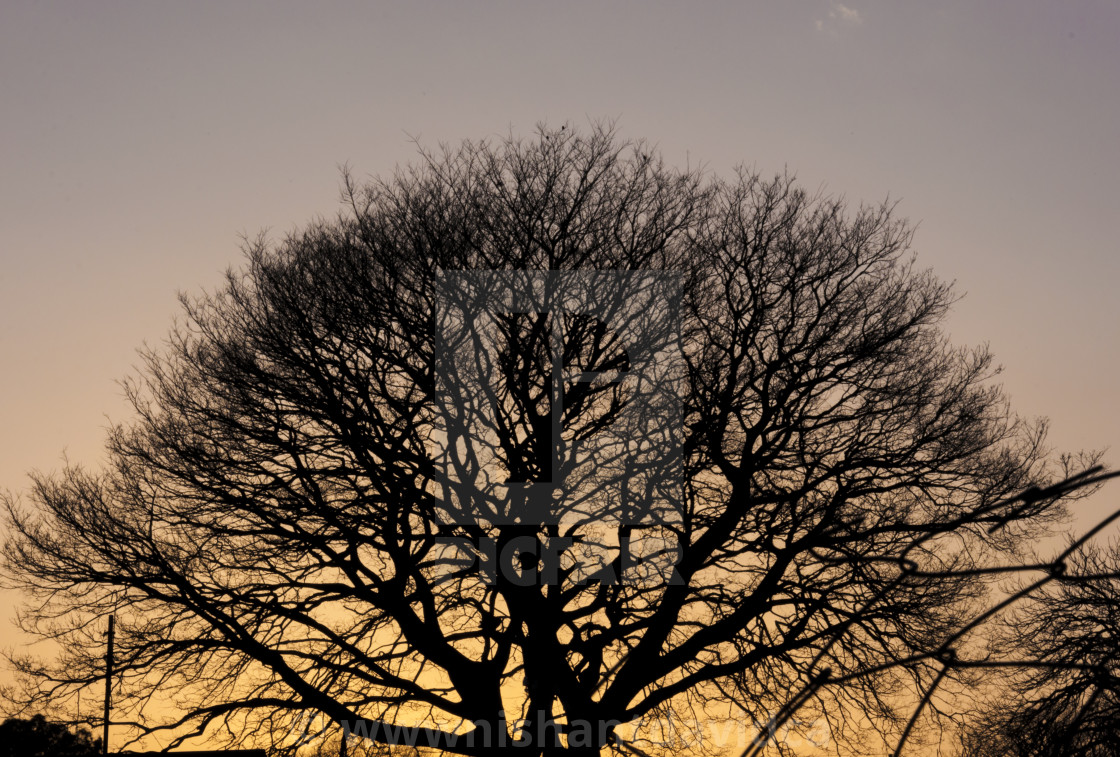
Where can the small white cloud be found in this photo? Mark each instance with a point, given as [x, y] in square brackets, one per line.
[839, 15]
[845, 14]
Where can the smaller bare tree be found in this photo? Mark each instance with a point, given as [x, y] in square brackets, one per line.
[1062, 646]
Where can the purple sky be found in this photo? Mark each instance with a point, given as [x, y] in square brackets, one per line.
[139, 140]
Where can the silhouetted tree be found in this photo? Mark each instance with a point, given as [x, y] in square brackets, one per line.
[539, 438]
[36, 737]
[1066, 701]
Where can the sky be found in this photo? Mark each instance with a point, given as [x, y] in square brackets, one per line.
[140, 141]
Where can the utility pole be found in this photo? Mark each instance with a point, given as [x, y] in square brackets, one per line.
[108, 685]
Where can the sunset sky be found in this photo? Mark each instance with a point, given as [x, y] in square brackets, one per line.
[140, 141]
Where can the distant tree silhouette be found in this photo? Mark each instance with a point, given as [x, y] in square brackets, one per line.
[1066, 700]
[36, 737]
[539, 441]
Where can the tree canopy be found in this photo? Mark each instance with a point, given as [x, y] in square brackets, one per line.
[38, 737]
[539, 440]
